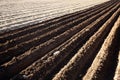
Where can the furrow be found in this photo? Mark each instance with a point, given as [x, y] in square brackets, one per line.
[49, 21]
[32, 55]
[117, 72]
[21, 48]
[29, 36]
[87, 53]
[40, 69]
[45, 23]
[102, 66]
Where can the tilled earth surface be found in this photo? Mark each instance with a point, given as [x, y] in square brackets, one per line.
[15, 14]
[84, 45]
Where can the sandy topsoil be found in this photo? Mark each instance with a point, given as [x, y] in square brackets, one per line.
[20, 13]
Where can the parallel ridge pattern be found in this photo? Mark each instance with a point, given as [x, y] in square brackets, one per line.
[16, 14]
[81, 45]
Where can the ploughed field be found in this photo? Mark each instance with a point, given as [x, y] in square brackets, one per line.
[22, 13]
[84, 45]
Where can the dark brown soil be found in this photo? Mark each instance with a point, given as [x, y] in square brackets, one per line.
[64, 48]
